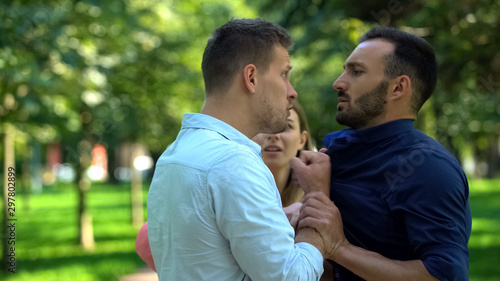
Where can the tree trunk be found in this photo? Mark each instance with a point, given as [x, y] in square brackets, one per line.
[27, 177]
[36, 183]
[84, 219]
[452, 149]
[8, 241]
[476, 154]
[136, 189]
[112, 165]
[85, 230]
[85, 234]
[492, 156]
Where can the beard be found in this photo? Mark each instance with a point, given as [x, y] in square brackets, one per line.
[271, 120]
[368, 106]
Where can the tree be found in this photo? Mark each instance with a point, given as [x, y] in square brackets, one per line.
[90, 72]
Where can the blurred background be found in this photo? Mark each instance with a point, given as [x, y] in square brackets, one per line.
[92, 92]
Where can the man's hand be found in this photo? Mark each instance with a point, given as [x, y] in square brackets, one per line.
[320, 213]
[312, 170]
[292, 212]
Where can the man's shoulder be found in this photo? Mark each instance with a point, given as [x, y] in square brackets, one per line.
[203, 148]
[430, 147]
[422, 161]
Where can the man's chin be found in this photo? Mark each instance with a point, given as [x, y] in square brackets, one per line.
[351, 122]
[342, 119]
[273, 130]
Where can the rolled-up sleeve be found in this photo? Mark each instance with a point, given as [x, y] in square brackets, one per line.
[248, 212]
[436, 213]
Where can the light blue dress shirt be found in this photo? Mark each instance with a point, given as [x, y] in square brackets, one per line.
[214, 212]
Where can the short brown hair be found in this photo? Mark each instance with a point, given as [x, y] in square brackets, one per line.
[237, 43]
[412, 56]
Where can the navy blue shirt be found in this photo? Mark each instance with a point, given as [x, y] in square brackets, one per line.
[402, 195]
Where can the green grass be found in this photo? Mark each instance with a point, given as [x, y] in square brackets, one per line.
[46, 247]
[484, 243]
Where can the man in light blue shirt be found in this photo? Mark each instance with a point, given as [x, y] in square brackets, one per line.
[214, 210]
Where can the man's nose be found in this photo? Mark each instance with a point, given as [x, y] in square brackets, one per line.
[340, 84]
[292, 94]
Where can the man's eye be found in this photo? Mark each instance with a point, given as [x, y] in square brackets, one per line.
[357, 72]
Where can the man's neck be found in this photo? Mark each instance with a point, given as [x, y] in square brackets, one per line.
[232, 112]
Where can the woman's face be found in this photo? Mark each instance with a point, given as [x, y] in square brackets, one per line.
[278, 149]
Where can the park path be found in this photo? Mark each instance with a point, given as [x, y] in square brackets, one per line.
[144, 274]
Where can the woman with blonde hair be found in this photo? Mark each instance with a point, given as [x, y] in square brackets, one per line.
[278, 149]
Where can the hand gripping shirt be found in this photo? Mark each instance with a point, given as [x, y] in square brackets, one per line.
[402, 195]
[214, 211]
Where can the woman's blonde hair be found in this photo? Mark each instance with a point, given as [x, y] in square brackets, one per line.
[292, 192]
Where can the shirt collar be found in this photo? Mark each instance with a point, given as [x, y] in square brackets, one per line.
[203, 121]
[372, 134]
[386, 130]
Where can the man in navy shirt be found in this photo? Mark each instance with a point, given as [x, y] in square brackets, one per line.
[400, 199]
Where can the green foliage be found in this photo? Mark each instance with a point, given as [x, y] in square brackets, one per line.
[130, 69]
[127, 69]
[467, 97]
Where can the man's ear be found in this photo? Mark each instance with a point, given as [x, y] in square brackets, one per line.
[400, 87]
[250, 77]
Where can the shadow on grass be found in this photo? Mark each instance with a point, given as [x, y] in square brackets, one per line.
[104, 267]
[484, 246]
[115, 238]
[484, 262]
